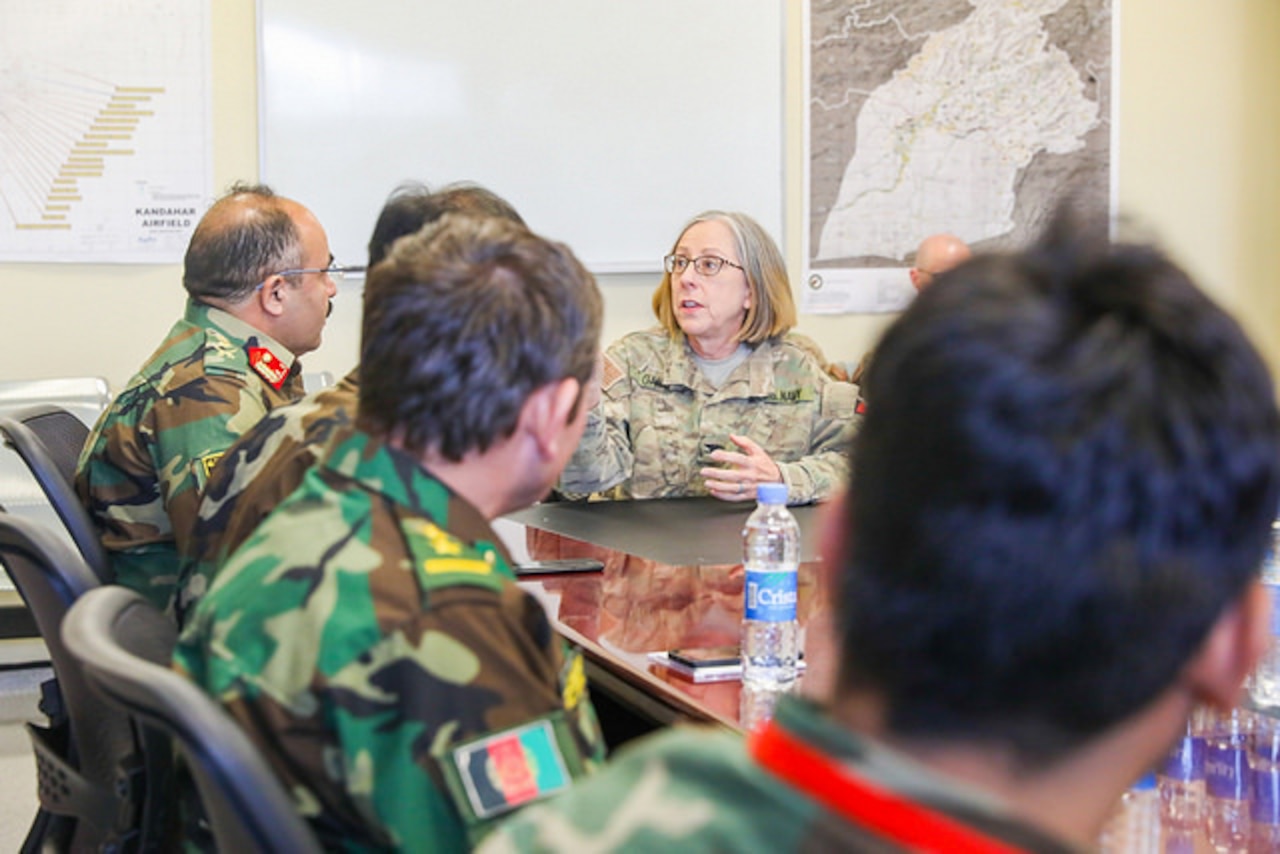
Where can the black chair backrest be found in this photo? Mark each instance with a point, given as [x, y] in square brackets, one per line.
[49, 439]
[100, 782]
[124, 644]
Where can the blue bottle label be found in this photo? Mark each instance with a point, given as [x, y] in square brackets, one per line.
[1226, 771]
[1265, 806]
[1186, 760]
[771, 596]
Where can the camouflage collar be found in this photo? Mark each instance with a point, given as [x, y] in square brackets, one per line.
[400, 478]
[236, 330]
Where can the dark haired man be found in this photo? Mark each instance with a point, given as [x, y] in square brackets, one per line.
[268, 461]
[369, 635]
[1047, 557]
[258, 278]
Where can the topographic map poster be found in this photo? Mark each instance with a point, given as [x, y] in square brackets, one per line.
[967, 116]
[105, 149]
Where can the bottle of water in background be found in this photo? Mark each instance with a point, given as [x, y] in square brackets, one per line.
[1226, 779]
[1134, 827]
[1264, 768]
[1180, 780]
[1265, 685]
[770, 633]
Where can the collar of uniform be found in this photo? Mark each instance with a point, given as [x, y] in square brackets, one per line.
[241, 333]
[897, 772]
[681, 370]
[400, 478]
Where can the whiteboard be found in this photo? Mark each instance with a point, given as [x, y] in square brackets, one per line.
[607, 123]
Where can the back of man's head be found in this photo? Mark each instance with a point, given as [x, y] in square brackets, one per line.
[412, 205]
[1067, 476]
[462, 322]
[244, 237]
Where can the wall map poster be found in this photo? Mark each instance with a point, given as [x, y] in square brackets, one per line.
[968, 116]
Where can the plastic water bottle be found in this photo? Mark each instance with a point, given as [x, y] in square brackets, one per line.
[1265, 684]
[1226, 779]
[1180, 780]
[1134, 827]
[1264, 768]
[770, 633]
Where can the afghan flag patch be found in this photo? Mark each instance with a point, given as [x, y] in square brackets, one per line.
[503, 771]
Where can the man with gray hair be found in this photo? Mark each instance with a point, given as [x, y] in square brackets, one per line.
[258, 278]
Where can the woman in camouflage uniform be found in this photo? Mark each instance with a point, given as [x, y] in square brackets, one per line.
[718, 398]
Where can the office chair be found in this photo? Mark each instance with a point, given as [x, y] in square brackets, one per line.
[102, 783]
[48, 439]
[124, 645]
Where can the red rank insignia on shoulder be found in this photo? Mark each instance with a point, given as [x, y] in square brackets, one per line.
[268, 366]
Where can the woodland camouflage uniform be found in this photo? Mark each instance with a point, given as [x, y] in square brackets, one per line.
[371, 639]
[256, 474]
[143, 467]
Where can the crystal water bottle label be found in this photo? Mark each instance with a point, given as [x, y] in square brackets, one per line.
[771, 596]
[1226, 771]
[1186, 760]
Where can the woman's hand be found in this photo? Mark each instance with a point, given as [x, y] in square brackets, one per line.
[737, 480]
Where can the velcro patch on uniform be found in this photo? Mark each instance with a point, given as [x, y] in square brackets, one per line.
[269, 366]
[611, 374]
[792, 395]
[511, 768]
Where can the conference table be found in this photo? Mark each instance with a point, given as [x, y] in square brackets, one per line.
[672, 579]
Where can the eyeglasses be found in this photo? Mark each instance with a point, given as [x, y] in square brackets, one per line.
[703, 265]
[337, 272]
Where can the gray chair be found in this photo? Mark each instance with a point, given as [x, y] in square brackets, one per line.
[124, 645]
[48, 439]
[102, 782]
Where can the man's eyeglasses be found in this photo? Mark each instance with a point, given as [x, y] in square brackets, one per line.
[337, 272]
[703, 265]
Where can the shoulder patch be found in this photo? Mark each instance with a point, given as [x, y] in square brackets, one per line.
[269, 366]
[839, 400]
[505, 770]
[440, 560]
[611, 373]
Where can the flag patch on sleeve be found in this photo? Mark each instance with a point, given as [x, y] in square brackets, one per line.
[503, 771]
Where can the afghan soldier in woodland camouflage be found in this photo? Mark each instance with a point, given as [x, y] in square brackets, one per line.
[370, 635]
[268, 462]
[719, 398]
[258, 298]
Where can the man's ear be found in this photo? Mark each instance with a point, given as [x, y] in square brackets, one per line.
[1232, 648]
[547, 413]
[271, 295]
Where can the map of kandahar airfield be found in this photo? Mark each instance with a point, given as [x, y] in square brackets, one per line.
[968, 116]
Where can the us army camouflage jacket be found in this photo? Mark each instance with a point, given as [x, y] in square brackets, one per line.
[695, 789]
[371, 639]
[659, 420]
[256, 474]
[143, 467]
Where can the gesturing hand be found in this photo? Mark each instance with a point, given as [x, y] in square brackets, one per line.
[737, 479]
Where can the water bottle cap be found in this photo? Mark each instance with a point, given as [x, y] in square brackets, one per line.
[1147, 781]
[771, 493]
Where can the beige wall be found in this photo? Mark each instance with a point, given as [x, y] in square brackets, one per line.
[1199, 120]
